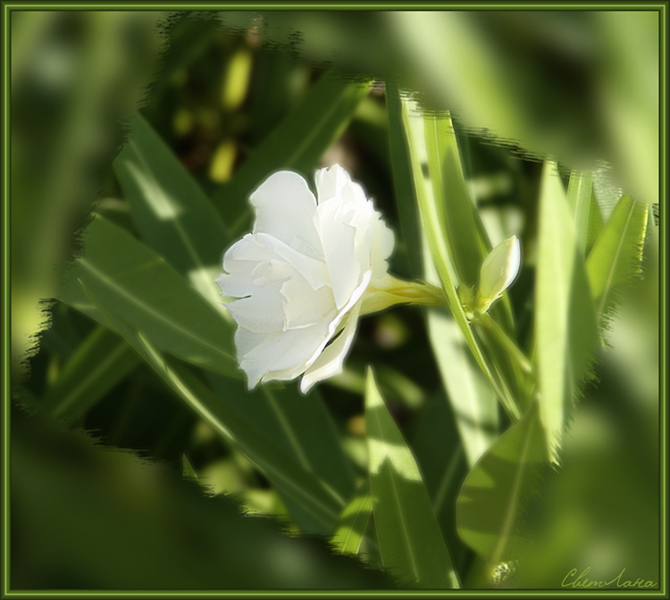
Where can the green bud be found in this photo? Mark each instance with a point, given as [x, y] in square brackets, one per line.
[498, 271]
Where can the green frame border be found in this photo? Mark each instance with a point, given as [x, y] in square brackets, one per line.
[8, 7]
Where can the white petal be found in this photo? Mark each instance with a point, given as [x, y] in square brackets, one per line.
[285, 209]
[304, 306]
[260, 354]
[261, 312]
[313, 270]
[339, 246]
[330, 361]
[329, 182]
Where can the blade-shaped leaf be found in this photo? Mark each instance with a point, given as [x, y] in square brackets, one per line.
[354, 521]
[580, 190]
[438, 449]
[99, 363]
[139, 284]
[300, 425]
[473, 402]
[172, 214]
[297, 143]
[455, 209]
[466, 236]
[565, 325]
[491, 502]
[410, 222]
[617, 252]
[410, 541]
[436, 236]
[318, 502]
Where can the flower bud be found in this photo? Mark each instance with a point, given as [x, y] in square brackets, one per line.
[498, 271]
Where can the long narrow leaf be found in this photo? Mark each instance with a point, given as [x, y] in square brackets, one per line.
[580, 191]
[565, 326]
[491, 503]
[436, 236]
[172, 214]
[139, 284]
[410, 222]
[617, 252]
[297, 143]
[99, 363]
[472, 399]
[466, 236]
[300, 425]
[410, 541]
[354, 521]
[285, 473]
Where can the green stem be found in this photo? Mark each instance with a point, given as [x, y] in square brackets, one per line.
[505, 341]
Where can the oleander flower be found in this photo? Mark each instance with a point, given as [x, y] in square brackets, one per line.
[302, 278]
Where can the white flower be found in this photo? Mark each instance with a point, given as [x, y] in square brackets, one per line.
[302, 276]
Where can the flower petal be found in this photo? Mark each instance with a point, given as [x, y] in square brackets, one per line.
[329, 182]
[330, 361]
[260, 354]
[285, 209]
[339, 247]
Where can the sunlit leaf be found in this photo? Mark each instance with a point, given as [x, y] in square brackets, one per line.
[319, 503]
[300, 425]
[472, 399]
[565, 325]
[436, 236]
[354, 521]
[172, 214]
[491, 503]
[410, 541]
[617, 252]
[580, 191]
[152, 297]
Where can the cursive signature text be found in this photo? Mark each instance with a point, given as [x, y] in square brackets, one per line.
[573, 580]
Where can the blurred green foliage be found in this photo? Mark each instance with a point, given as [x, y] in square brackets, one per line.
[233, 96]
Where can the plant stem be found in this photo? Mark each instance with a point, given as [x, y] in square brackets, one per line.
[505, 341]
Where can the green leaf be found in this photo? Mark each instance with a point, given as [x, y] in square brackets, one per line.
[297, 143]
[354, 521]
[436, 236]
[473, 402]
[300, 425]
[595, 223]
[410, 222]
[580, 191]
[472, 399]
[491, 503]
[187, 468]
[410, 540]
[467, 241]
[436, 443]
[466, 236]
[101, 361]
[617, 252]
[172, 214]
[153, 298]
[565, 322]
[317, 500]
